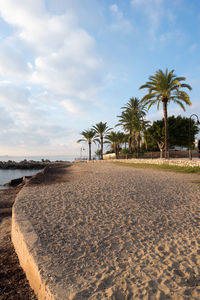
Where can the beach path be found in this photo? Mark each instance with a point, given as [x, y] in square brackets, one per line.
[105, 231]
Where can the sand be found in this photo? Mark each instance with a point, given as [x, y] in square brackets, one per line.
[113, 232]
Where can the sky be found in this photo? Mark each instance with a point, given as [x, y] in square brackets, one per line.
[66, 65]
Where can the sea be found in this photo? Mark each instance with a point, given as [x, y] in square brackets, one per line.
[8, 174]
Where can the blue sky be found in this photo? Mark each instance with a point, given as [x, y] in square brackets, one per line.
[67, 65]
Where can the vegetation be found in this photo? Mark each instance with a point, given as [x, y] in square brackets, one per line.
[133, 123]
[89, 137]
[115, 139]
[155, 137]
[101, 129]
[138, 135]
[165, 87]
[177, 130]
[98, 153]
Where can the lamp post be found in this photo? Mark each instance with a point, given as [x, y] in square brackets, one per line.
[197, 123]
[81, 151]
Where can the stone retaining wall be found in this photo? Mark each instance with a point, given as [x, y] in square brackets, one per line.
[173, 162]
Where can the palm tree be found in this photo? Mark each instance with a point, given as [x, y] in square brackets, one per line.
[135, 105]
[89, 137]
[140, 128]
[98, 153]
[132, 120]
[101, 129]
[127, 120]
[165, 87]
[115, 139]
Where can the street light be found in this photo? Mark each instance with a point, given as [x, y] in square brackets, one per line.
[197, 123]
[81, 151]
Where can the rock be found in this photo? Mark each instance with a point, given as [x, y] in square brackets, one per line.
[15, 181]
[24, 164]
[6, 211]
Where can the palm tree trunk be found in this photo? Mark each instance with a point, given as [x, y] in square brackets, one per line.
[166, 127]
[101, 147]
[115, 149]
[130, 142]
[139, 141]
[89, 150]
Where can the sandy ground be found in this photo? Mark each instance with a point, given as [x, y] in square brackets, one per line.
[115, 232]
[13, 283]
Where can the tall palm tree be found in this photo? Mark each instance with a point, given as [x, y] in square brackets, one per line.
[89, 137]
[140, 128]
[135, 105]
[101, 129]
[165, 87]
[132, 120]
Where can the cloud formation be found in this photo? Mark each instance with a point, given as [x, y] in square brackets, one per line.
[50, 53]
[64, 55]
[119, 23]
[66, 65]
[155, 12]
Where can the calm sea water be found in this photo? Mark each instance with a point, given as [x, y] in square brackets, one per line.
[8, 174]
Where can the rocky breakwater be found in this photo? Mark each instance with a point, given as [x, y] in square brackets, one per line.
[25, 164]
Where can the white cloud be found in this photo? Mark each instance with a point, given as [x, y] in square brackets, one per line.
[64, 59]
[72, 69]
[152, 8]
[119, 22]
[12, 96]
[71, 106]
[26, 127]
[114, 8]
[175, 36]
[6, 121]
[49, 70]
[13, 64]
[155, 12]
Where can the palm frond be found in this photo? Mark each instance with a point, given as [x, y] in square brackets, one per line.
[81, 140]
[180, 103]
[165, 86]
[185, 85]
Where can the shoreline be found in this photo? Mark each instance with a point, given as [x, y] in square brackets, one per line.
[23, 171]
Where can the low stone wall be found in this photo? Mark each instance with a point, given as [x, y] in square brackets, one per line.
[173, 162]
[109, 156]
[159, 161]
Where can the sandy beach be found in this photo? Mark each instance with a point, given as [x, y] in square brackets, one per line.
[115, 232]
